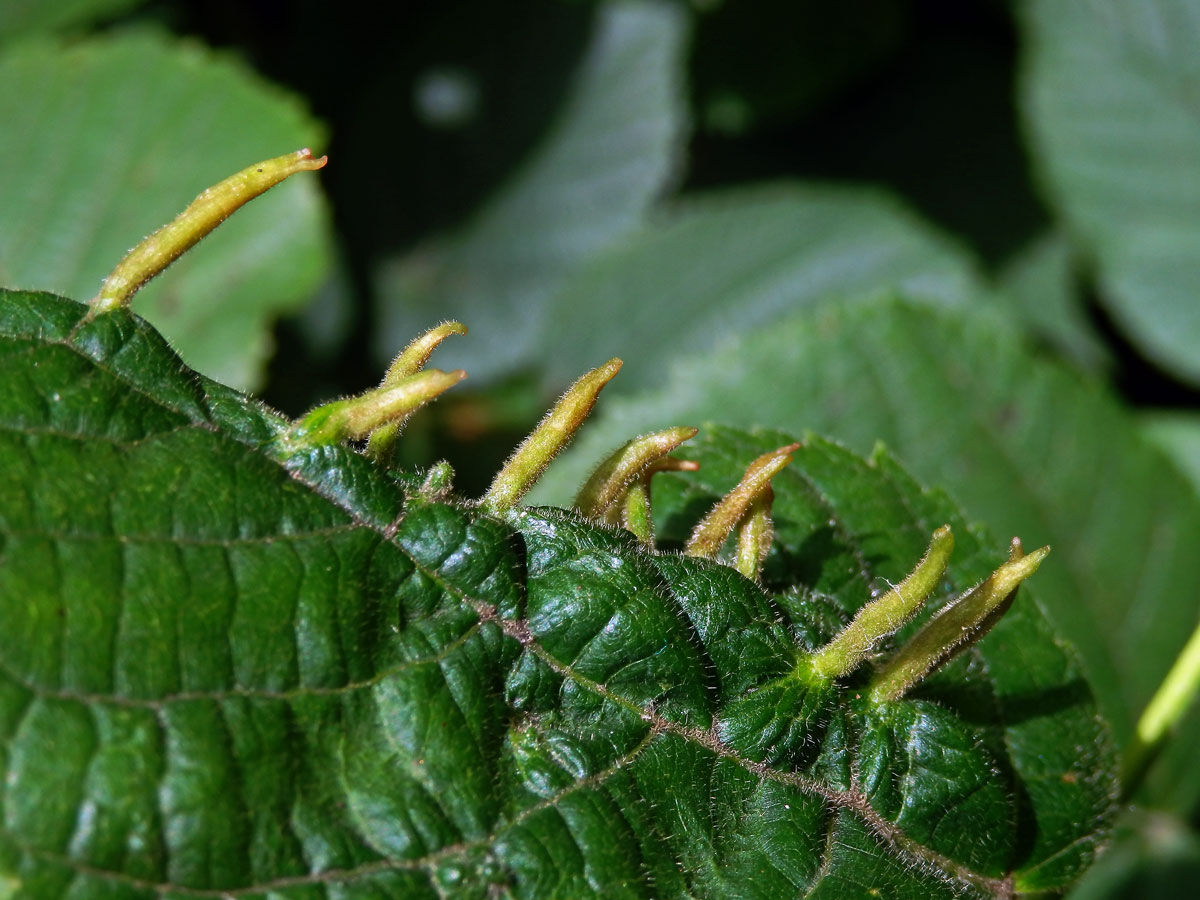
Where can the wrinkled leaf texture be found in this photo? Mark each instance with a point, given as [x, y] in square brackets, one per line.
[231, 670]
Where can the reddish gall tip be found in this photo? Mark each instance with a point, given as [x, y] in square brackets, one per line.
[306, 154]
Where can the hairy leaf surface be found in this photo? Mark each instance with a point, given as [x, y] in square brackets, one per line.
[230, 668]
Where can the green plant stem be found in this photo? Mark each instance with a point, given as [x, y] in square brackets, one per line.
[636, 512]
[963, 622]
[754, 535]
[356, 417]
[409, 362]
[1164, 710]
[613, 477]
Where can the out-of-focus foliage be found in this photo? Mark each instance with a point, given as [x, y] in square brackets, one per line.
[20, 18]
[107, 139]
[1041, 282]
[723, 264]
[727, 195]
[1155, 857]
[1112, 94]
[607, 156]
[1178, 433]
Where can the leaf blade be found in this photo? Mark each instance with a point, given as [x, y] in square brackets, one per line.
[1024, 443]
[731, 261]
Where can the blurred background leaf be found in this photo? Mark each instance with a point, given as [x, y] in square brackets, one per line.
[21, 18]
[1154, 857]
[1111, 91]
[1178, 434]
[720, 263]
[1040, 284]
[109, 138]
[610, 153]
[749, 78]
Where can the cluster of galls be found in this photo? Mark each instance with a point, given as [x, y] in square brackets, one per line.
[618, 493]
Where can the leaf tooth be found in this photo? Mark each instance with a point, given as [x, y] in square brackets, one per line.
[886, 613]
[439, 481]
[614, 476]
[956, 627]
[356, 417]
[210, 208]
[709, 535]
[553, 433]
[408, 362]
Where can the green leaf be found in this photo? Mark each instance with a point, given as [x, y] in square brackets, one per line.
[1039, 284]
[1022, 442]
[20, 18]
[107, 139]
[1111, 91]
[609, 154]
[1178, 434]
[855, 511]
[725, 263]
[231, 667]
